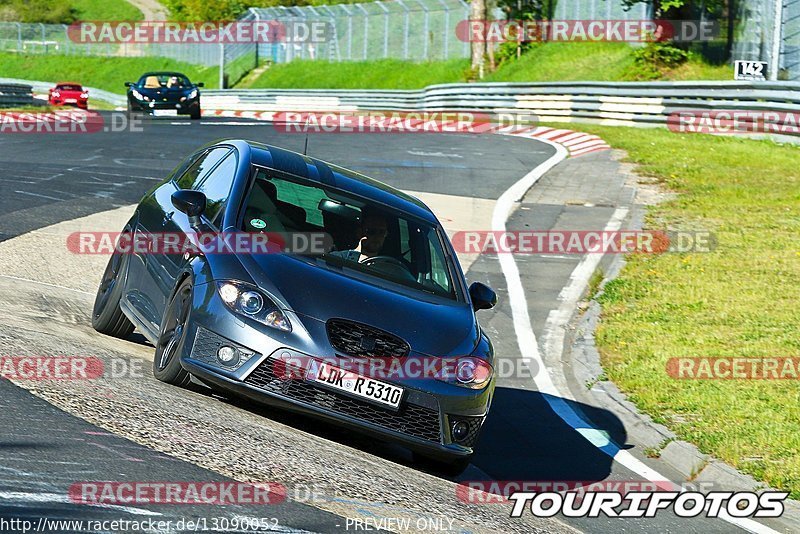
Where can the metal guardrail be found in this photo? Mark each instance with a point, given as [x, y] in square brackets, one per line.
[628, 103]
[15, 94]
[614, 103]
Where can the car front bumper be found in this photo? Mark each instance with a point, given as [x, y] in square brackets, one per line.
[422, 423]
[181, 108]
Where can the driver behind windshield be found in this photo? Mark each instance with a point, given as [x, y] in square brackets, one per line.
[371, 234]
[174, 83]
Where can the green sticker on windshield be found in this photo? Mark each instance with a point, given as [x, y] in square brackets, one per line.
[258, 223]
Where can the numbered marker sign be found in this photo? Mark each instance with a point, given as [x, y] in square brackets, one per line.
[751, 70]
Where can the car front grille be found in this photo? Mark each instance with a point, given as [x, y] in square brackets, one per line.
[360, 340]
[411, 419]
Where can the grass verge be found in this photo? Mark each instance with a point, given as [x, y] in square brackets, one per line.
[106, 10]
[544, 63]
[109, 74]
[738, 301]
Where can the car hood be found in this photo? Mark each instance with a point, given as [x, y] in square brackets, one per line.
[431, 326]
[164, 92]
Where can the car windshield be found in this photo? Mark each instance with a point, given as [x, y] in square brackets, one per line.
[69, 87]
[164, 80]
[363, 238]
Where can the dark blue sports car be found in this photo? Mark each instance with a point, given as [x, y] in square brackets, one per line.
[374, 329]
[165, 94]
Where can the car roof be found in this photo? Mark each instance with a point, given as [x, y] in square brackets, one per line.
[332, 175]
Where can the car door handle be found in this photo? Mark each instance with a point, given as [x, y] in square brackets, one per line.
[167, 217]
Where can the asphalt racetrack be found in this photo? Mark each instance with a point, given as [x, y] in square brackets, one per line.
[134, 428]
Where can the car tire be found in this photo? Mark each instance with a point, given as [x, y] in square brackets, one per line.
[107, 317]
[195, 115]
[171, 336]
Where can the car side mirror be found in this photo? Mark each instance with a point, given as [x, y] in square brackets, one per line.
[192, 203]
[482, 296]
[200, 84]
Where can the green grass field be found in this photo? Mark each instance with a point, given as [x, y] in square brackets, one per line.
[67, 11]
[378, 74]
[106, 10]
[545, 63]
[740, 300]
[103, 73]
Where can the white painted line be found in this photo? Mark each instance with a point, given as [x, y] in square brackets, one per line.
[526, 338]
[26, 497]
[18, 279]
[38, 195]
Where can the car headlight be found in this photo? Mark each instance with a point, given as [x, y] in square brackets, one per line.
[466, 371]
[137, 95]
[56, 94]
[192, 94]
[247, 300]
[84, 95]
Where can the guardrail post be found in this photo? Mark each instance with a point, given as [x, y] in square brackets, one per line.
[19, 37]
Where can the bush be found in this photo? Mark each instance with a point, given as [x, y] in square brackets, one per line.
[655, 59]
[46, 11]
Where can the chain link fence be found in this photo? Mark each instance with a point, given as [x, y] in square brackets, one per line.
[601, 10]
[235, 60]
[416, 30]
[758, 40]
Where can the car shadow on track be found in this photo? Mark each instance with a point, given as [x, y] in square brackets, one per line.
[524, 439]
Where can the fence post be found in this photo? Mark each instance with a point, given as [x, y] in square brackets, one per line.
[426, 29]
[777, 37]
[366, 28]
[405, 28]
[222, 65]
[385, 28]
[67, 44]
[446, 28]
[19, 37]
[257, 18]
[466, 44]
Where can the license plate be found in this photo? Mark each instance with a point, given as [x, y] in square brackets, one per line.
[165, 112]
[360, 386]
[71, 101]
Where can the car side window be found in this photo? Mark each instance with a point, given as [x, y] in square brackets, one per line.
[192, 177]
[217, 186]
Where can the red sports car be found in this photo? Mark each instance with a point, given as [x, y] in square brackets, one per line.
[69, 94]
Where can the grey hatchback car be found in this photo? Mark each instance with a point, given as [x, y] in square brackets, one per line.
[374, 329]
